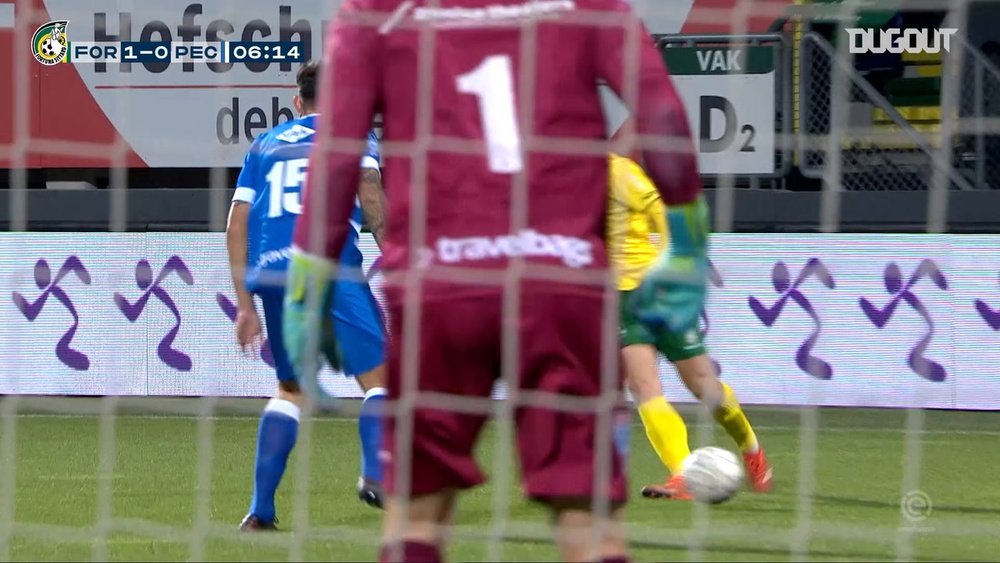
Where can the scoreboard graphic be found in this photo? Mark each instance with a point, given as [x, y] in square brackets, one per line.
[51, 46]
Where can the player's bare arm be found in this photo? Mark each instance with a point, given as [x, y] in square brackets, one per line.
[372, 198]
[247, 322]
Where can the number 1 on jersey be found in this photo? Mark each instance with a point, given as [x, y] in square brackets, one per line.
[492, 82]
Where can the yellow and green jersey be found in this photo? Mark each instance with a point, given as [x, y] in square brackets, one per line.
[637, 222]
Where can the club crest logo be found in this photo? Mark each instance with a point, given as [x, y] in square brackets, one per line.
[49, 44]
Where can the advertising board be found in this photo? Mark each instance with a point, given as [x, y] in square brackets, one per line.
[839, 319]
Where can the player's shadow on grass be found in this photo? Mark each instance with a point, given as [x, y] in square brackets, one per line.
[736, 549]
[746, 549]
[848, 501]
[757, 508]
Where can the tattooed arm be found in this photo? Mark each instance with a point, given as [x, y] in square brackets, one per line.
[373, 202]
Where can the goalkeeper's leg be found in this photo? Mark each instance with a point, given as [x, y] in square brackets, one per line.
[428, 452]
[423, 528]
[575, 525]
[420, 529]
[459, 351]
[562, 463]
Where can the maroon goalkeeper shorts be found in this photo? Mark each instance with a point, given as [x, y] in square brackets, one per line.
[459, 347]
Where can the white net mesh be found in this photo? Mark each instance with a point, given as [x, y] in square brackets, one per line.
[159, 465]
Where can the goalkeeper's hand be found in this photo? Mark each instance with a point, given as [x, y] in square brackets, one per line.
[673, 291]
[307, 320]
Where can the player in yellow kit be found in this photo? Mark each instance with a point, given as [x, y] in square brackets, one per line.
[637, 235]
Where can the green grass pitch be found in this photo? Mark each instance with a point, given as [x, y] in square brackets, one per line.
[855, 504]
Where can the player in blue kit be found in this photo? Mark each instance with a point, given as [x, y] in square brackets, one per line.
[267, 201]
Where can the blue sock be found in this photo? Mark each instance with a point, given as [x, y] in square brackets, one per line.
[370, 432]
[279, 427]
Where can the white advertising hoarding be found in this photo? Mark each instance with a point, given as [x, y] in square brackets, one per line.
[846, 320]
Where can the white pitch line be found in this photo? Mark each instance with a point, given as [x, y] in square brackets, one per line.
[779, 428]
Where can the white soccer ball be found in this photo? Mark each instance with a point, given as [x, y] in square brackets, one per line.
[712, 475]
[50, 47]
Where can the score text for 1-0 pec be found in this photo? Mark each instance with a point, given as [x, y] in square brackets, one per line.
[188, 52]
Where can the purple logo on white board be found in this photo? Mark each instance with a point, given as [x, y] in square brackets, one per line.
[49, 286]
[151, 287]
[893, 279]
[781, 280]
[990, 315]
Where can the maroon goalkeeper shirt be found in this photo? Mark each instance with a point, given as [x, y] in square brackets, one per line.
[467, 85]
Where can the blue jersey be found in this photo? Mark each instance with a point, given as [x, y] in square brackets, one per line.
[274, 172]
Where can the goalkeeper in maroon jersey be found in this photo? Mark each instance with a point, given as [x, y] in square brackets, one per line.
[470, 121]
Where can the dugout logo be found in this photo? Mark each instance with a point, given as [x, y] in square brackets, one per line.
[49, 43]
[897, 41]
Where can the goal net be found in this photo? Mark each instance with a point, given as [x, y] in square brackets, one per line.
[850, 151]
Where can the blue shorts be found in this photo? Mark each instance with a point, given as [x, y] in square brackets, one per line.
[357, 322]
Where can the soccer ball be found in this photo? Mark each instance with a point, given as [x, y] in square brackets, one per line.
[712, 475]
[50, 48]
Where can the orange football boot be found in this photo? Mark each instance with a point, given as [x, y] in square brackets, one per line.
[758, 470]
[673, 489]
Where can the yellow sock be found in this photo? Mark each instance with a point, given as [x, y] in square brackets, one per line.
[666, 432]
[732, 418]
